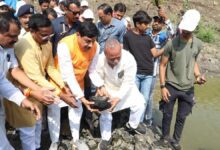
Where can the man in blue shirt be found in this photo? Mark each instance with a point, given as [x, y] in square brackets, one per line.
[109, 26]
[159, 37]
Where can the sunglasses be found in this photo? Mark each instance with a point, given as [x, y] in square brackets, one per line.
[74, 12]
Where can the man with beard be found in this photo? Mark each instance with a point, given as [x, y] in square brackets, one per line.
[159, 37]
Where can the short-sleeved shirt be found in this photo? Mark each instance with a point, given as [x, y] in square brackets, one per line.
[140, 47]
[115, 29]
[182, 57]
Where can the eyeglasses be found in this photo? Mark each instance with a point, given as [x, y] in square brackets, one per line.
[47, 37]
[74, 12]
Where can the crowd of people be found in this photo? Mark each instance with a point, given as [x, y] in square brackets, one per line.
[60, 56]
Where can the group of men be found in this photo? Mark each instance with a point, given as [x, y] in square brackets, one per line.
[48, 59]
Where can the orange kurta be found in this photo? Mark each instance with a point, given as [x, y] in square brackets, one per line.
[80, 59]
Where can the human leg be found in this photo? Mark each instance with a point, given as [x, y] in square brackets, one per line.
[53, 117]
[75, 115]
[106, 125]
[149, 108]
[185, 104]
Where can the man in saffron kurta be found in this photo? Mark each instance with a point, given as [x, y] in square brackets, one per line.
[76, 54]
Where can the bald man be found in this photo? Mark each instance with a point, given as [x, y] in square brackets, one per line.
[116, 70]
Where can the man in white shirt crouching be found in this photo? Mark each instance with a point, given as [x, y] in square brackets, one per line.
[116, 70]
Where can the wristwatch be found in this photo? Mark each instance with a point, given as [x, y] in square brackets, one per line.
[162, 86]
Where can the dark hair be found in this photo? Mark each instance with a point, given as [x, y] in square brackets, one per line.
[120, 7]
[38, 21]
[43, 1]
[6, 19]
[67, 3]
[50, 11]
[6, 8]
[106, 8]
[57, 1]
[141, 17]
[88, 29]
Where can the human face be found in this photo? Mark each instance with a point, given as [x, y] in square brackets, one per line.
[44, 6]
[24, 20]
[119, 15]
[52, 3]
[86, 43]
[157, 26]
[42, 35]
[72, 13]
[113, 55]
[104, 18]
[186, 34]
[142, 27]
[8, 39]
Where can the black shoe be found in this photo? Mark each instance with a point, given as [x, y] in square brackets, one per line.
[175, 145]
[103, 145]
[164, 142]
[139, 130]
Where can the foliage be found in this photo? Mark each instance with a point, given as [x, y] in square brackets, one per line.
[206, 33]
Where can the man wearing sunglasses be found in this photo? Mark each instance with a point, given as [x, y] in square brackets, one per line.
[67, 24]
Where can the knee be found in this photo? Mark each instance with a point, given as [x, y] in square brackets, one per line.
[106, 116]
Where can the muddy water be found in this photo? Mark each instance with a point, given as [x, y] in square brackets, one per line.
[202, 128]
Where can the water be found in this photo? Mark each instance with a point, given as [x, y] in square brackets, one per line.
[202, 128]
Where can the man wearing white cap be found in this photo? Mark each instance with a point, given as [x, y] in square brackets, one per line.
[179, 71]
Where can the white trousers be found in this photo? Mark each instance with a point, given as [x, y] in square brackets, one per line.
[31, 136]
[4, 143]
[74, 115]
[106, 120]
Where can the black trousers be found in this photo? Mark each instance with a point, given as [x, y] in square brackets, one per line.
[185, 104]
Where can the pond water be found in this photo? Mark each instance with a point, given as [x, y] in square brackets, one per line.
[202, 128]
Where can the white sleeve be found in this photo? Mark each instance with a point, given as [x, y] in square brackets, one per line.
[67, 70]
[13, 59]
[9, 91]
[94, 76]
[170, 28]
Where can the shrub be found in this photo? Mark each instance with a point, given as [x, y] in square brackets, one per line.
[206, 33]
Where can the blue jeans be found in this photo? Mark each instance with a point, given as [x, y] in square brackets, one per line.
[143, 83]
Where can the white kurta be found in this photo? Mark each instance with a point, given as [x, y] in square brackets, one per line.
[120, 80]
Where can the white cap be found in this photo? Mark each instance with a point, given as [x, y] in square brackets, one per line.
[84, 3]
[190, 20]
[2, 3]
[88, 14]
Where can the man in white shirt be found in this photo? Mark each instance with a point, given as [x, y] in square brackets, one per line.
[116, 70]
[7, 90]
[9, 31]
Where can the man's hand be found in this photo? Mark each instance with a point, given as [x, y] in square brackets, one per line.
[114, 102]
[162, 13]
[69, 99]
[44, 95]
[32, 107]
[165, 94]
[88, 105]
[200, 79]
[102, 92]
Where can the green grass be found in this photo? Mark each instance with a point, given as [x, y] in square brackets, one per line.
[206, 33]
